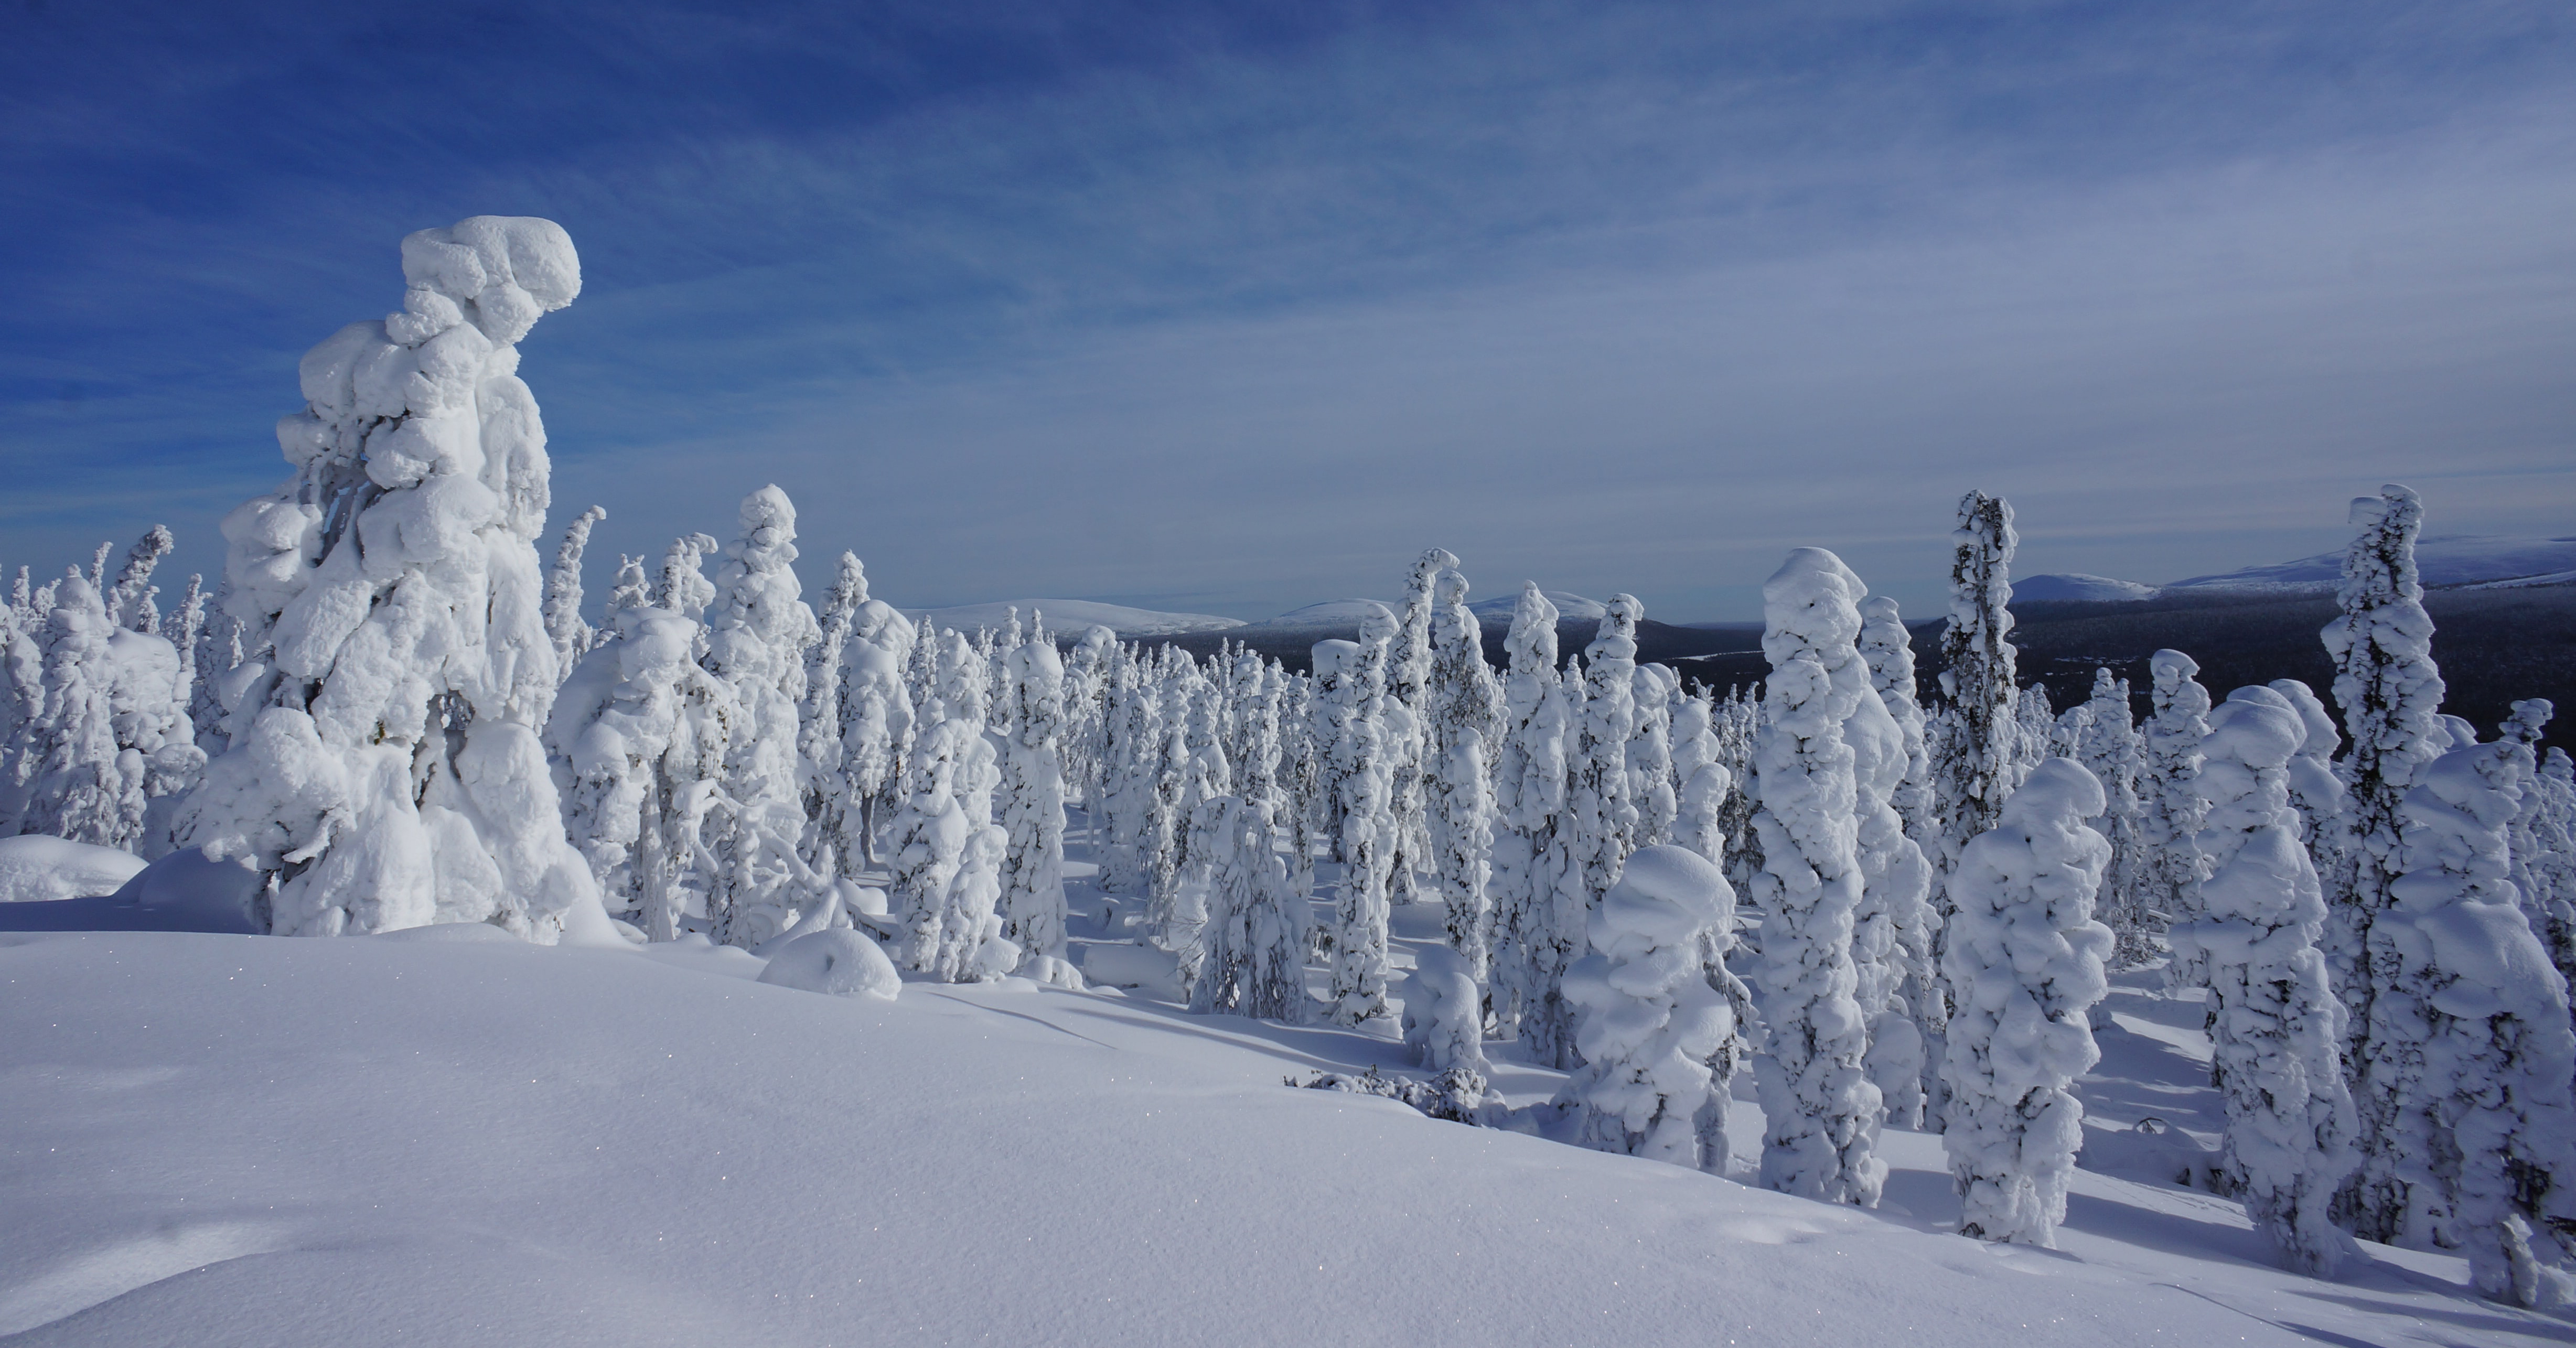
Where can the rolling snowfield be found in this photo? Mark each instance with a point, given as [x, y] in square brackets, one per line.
[448, 1136]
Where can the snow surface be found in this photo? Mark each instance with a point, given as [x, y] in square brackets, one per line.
[1072, 615]
[449, 1136]
[36, 868]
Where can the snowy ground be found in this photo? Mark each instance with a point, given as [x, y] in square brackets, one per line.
[446, 1137]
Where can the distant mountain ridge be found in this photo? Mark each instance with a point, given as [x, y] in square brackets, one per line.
[2446, 560]
[1074, 615]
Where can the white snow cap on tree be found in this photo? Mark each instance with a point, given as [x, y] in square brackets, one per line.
[2470, 1047]
[2025, 963]
[385, 769]
[1651, 1022]
[1822, 1112]
[2275, 1026]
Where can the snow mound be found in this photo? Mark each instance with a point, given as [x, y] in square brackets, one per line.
[34, 868]
[839, 963]
[1569, 607]
[1073, 615]
[452, 933]
[2077, 587]
[184, 891]
[2455, 559]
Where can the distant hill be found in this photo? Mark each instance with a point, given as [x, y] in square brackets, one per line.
[2076, 587]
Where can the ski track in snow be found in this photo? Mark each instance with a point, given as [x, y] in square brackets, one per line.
[235, 1140]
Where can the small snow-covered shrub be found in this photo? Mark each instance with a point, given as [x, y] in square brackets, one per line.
[1444, 1013]
[839, 962]
[1652, 1023]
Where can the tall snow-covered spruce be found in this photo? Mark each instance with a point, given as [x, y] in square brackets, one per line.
[2275, 1027]
[384, 767]
[1459, 705]
[2025, 964]
[1538, 902]
[1033, 813]
[2391, 695]
[1822, 1112]
[2470, 1053]
[1973, 763]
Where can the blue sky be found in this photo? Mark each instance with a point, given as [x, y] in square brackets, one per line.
[1231, 308]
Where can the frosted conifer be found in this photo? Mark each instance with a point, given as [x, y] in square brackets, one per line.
[1253, 945]
[1651, 1023]
[1974, 760]
[2025, 964]
[2470, 1047]
[1033, 816]
[2275, 1027]
[385, 769]
[1459, 706]
[564, 624]
[2170, 786]
[1538, 905]
[1822, 1112]
[2391, 694]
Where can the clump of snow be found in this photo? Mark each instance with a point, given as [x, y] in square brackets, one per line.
[838, 962]
[34, 867]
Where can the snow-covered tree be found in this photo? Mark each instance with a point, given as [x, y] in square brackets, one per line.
[2470, 1047]
[1893, 929]
[1889, 649]
[638, 739]
[1033, 813]
[2276, 1030]
[1701, 780]
[73, 779]
[1600, 812]
[1253, 945]
[758, 630]
[1975, 757]
[2170, 864]
[1444, 1012]
[565, 626]
[1458, 703]
[2391, 694]
[1403, 722]
[1352, 700]
[2532, 874]
[2109, 747]
[1653, 690]
[1822, 1111]
[1538, 905]
[2025, 965]
[1651, 1022]
[130, 601]
[384, 768]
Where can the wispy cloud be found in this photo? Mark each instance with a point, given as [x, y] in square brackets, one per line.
[1167, 308]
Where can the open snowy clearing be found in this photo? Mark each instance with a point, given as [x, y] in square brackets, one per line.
[435, 1138]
